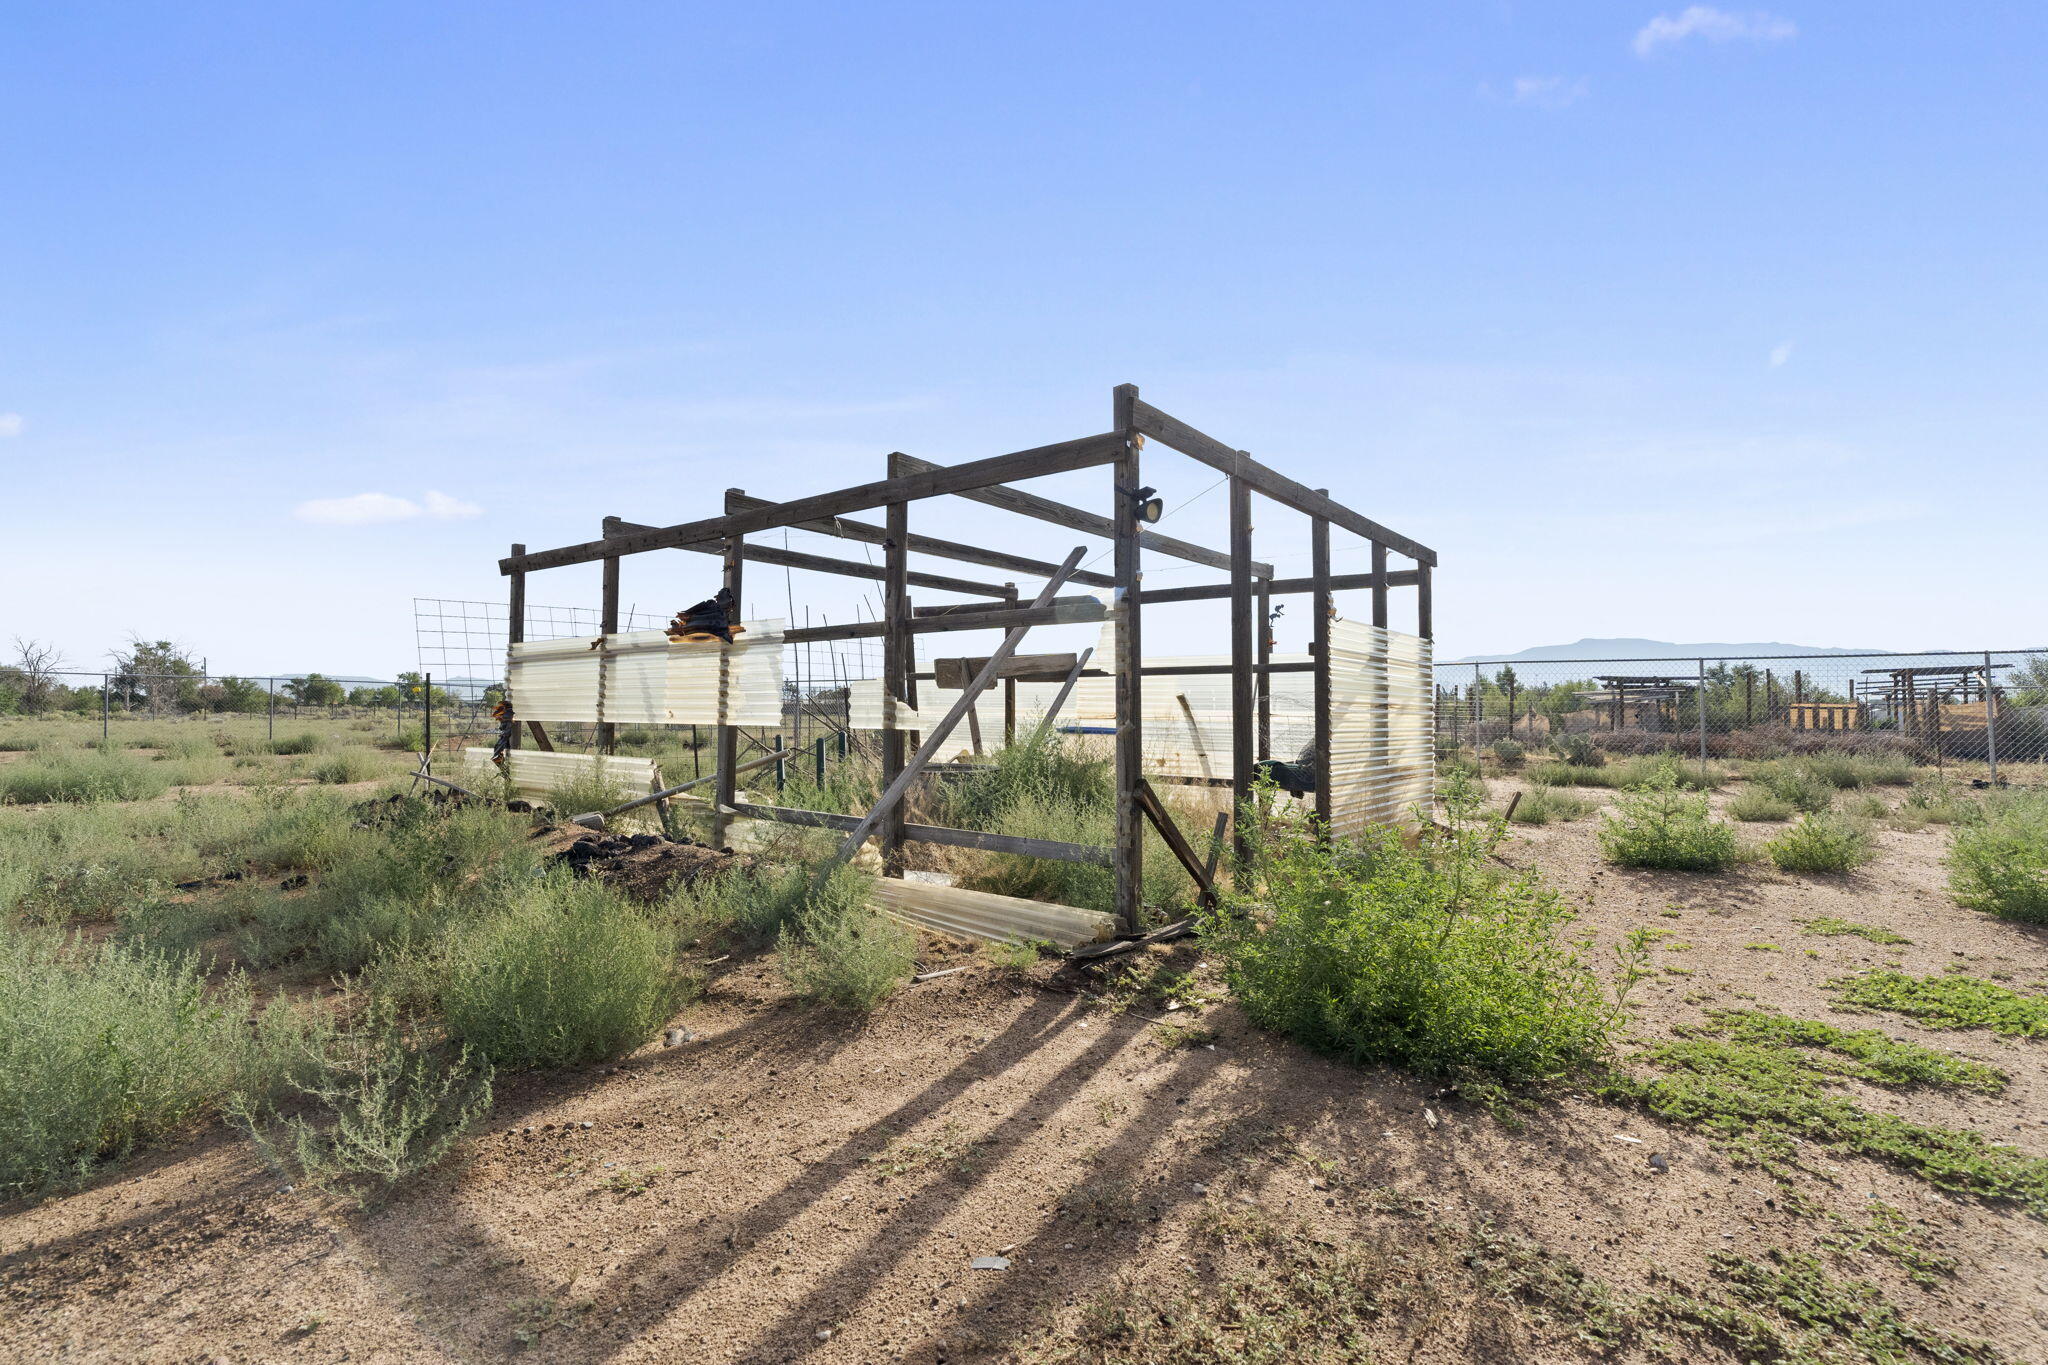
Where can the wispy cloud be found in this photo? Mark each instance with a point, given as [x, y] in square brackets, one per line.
[1714, 26]
[1548, 92]
[1781, 353]
[376, 509]
[11, 424]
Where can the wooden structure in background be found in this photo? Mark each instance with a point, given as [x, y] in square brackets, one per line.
[1248, 590]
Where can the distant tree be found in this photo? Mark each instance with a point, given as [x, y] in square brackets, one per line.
[34, 675]
[237, 694]
[362, 696]
[315, 690]
[154, 673]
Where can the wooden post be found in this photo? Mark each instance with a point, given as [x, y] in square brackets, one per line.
[1425, 610]
[726, 790]
[896, 666]
[608, 624]
[1265, 657]
[1129, 852]
[1010, 688]
[1379, 591]
[1319, 569]
[1241, 658]
[515, 634]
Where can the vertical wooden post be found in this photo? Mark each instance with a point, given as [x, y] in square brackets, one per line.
[726, 784]
[1319, 568]
[608, 624]
[1265, 657]
[1129, 852]
[1425, 609]
[1010, 686]
[1379, 587]
[896, 670]
[1241, 655]
[515, 634]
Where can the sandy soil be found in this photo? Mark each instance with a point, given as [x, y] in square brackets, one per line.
[791, 1186]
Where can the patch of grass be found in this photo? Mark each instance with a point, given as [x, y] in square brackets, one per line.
[83, 776]
[303, 743]
[1756, 804]
[1542, 804]
[1758, 1084]
[1431, 958]
[369, 1109]
[1580, 751]
[1656, 825]
[1828, 926]
[347, 765]
[1822, 843]
[1509, 753]
[838, 952]
[107, 1049]
[1998, 860]
[596, 790]
[1796, 784]
[568, 973]
[1889, 1233]
[1953, 1000]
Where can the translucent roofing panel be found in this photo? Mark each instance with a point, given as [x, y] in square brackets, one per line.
[533, 773]
[641, 678]
[1382, 760]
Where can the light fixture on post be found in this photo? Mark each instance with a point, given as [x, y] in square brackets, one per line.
[1144, 505]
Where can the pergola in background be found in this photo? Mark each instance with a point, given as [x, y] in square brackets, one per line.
[1250, 586]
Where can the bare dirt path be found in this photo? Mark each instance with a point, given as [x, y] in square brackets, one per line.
[790, 1186]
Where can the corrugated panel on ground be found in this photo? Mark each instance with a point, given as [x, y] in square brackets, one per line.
[534, 773]
[641, 678]
[984, 915]
[1381, 756]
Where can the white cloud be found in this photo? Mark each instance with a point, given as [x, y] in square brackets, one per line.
[1548, 92]
[376, 509]
[364, 509]
[11, 424]
[1715, 26]
[1781, 353]
[441, 506]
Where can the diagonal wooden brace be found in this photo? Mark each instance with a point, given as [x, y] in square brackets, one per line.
[935, 739]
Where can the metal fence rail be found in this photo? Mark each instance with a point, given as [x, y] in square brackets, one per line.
[1973, 710]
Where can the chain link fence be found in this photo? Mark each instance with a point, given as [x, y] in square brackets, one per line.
[1982, 713]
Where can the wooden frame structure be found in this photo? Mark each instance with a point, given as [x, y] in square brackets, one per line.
[1249, 588]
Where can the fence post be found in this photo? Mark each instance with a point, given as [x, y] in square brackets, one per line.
[1699, 704]
[270, 709]
[1990, 720]
[1478, 712]
[820, 747]
[103, 708]
[427, 726]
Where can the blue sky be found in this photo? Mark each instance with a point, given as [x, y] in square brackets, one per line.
[1676, 321]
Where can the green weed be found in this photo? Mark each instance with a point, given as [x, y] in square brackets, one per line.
[1998, 860]
[1953, 1000]
[1656, 825]
[838, 952]
[1822, 843]
[1829, 926]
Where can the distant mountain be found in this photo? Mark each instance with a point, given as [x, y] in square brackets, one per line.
[1656, 649]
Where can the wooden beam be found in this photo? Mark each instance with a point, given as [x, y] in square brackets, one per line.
[1425, 610]
[1084, 453]
[1073, 518]
[891, 800]
[1128, 545]
[1163, 821]
[954, 673]
[1380, 584]
[1016, 844]
[1065, 612]
[898, 662]
[1241, 660]
[849, 568]
[515, 633]
[1172, 431]
[1283, 587]
[607, 624]
[1262, 658]
[937, 609]
[867, 532]
[540, 737]
[1319, 561]
[728, 737]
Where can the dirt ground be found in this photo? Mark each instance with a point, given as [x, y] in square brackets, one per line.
[790, 1186]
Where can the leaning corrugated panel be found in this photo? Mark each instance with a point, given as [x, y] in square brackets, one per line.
[641, 678]
[1382, 761]
[533, 773]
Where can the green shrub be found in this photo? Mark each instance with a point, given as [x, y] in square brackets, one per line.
[1822, 843]
[348, 765]
[407, 739]
[1954, 1000]
[596, 790]
[90, 775]
[307, 743]
[1568, 775]
[105, 1049]
[1052, 770]
[368, 1109]
[1935, 801]
[1656, 825]
[1542, 804]
[1757, 803]
[1998, 860]
[838, 952]
[568, 973]
[1432, 958]
[1849, 771]
[1797, 785]
[1580, 751]
[1509, 753]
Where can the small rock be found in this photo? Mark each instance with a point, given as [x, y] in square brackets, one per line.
[1200, 1188]
[1430, 1116]
[1658, 1163]
[676, 1037]
[584, 1124]
[989, 1263]
[824, 1334]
